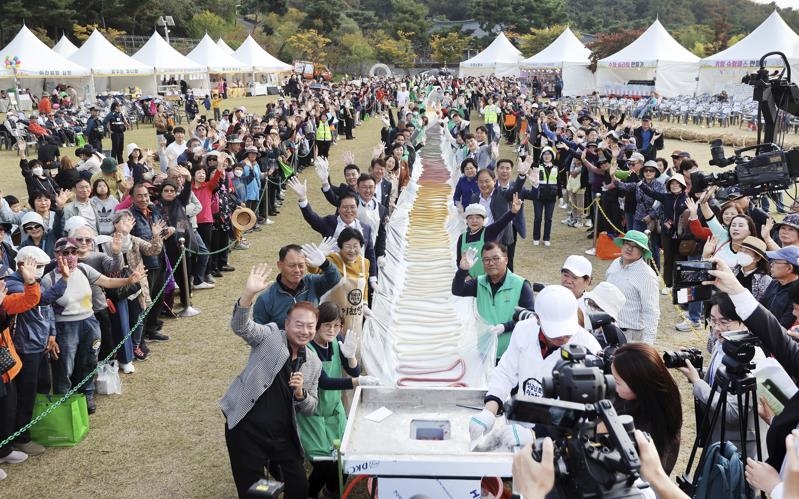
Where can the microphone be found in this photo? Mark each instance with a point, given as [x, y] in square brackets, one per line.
[297, 363]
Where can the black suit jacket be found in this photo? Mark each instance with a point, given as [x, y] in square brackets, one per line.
[334, 193]
[385, 193]
[500, 204]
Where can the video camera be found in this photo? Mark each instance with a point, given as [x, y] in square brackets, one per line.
[683, 357]
[588, 464]
[739, 350]
[771, 169]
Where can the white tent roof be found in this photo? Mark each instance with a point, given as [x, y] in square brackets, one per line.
[65, 47]
[37, 59]
[212, 56]
[158, 54]
[565, 48]
[104, 59]
[251, 54]
[772, 34]
[224, 46]
[501, 51]
[654, 45]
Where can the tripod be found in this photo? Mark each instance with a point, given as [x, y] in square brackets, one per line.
[735, 378]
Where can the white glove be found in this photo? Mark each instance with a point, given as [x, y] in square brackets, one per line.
[514, 436]
[367, 312]
[373, 283]
[471, 256]
[368, 381]
[524, 166]
[313, 254]
[381, 262]
[328, 245]
[481, 424]
[349, 345]
[497, 330]
[322, 169]
[300, 188]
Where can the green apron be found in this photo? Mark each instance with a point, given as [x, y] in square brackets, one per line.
[317, 432]
[477, 269]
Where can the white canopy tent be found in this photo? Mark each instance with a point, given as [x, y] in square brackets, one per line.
[111, 68]
[261, 61]
[654, 55]
[165, 60]
[500, 58]
[224, 46]
[568, 55]
[724, 70]
[216, 59]
[40, 67]
[65, 47]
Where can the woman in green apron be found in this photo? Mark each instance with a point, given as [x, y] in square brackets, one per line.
[317, 432]
[477, 233]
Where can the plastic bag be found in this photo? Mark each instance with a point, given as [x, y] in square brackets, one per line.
[108, 382]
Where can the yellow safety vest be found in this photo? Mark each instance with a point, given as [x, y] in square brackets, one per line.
[490, 114]
[323, 131]
[552, 178]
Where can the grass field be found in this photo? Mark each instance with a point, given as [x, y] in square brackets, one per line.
[163, 437]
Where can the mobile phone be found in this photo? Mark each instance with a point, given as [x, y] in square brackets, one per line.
[692, 273]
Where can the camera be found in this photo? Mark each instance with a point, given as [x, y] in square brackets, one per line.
[588, 463]
[771, 169]
[683, 357]
[739, 350]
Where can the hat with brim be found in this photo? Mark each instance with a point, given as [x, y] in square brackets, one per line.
[652, 165]
[109, 165]
[607, 297]
[677, 177]
[243, 218]
[636, 237]
[791, 221]
[755, 245]
[65, 243]
[556, 308]
[475, 209]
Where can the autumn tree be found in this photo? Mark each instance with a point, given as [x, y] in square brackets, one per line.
[537, 39]
[449, 48]
[398, 51]
[83, 32]
[606, 44]
[308, 44]
[207, 22]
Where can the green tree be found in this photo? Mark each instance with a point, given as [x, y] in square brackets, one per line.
[308, 44]
[694, 37]
[355, 49]
[449, 48]
[322, 15]
[519, 15]
[207, 22]
[83, 32]
[410, 17]
[398, 51]
[538, 39]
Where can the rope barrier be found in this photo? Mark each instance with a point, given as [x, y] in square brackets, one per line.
[210, 253]
[91, 375]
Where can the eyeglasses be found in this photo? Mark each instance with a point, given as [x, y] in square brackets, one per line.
[31, 227]
[167, 191]
[721, 322]
[84, 240]
[351, 247]
[775, 262]
[66, 252]
[492, 260]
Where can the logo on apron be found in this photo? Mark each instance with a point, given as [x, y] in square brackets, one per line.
[355, 297]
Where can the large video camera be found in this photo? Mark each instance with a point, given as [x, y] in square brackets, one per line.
[739, 350]
[588, 464]
[771, 169]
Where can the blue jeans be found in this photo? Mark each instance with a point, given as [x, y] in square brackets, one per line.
[79, 342]
[202, 259]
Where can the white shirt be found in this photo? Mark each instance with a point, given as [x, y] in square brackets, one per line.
[486, 203]
[175, 149]
[639, 284]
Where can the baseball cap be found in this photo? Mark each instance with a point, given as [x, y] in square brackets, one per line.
[789, 253]
[607, 297]
[578, 265]
[637, 156]
[734, 192]
[685, 154]
[556, 308]
[65, 243]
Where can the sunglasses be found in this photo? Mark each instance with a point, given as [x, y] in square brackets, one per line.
[84, 240]
[70, 251]
[167, 191]
[32, 227]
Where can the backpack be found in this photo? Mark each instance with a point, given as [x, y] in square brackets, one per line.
[722, 474]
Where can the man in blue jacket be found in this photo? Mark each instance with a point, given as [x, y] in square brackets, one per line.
[294, 284]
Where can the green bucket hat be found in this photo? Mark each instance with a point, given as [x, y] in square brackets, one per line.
[638, 238]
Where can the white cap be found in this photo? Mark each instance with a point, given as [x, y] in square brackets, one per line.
[578, 265]
[475, 209]
[132, 147]
[32, 252]
[31, 217]
[607, 297]
[74, 222]
[637, 156]
[556, 308]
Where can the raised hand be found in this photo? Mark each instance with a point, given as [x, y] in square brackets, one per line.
[116, 243]
[62, 198]
[158, 228]
[328, 245]
[313, 254]
[137, 275]
[525, 165]
[63, 266]
[322, 169]
[27, 269]
[468, 259]
[258, 280]
[349, 346]
[348, 157]
[516, 204]
[378, 150]
[300, 188]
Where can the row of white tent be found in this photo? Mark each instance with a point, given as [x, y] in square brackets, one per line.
[655, 55]
[104, 67]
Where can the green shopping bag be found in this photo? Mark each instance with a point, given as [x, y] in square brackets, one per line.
[287, 170]
[66, 426]
[80, 139]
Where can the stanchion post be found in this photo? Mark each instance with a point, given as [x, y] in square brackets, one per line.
[266, 199]
[596, 217]
[189, 311]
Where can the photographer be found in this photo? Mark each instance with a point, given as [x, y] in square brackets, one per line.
[765, 326]
[532, 353]
[722, 319]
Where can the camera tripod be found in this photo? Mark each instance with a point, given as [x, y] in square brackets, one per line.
[731, 378]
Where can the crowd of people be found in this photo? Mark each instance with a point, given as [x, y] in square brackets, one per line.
[103, 234]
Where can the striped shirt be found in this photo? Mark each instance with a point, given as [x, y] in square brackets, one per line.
[639, 284]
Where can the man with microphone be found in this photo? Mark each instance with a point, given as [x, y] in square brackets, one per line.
[280, 378]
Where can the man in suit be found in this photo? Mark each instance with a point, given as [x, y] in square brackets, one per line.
[332, 225]
[332, 193]
[281, 378]
[382, 185]
[497, 200]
